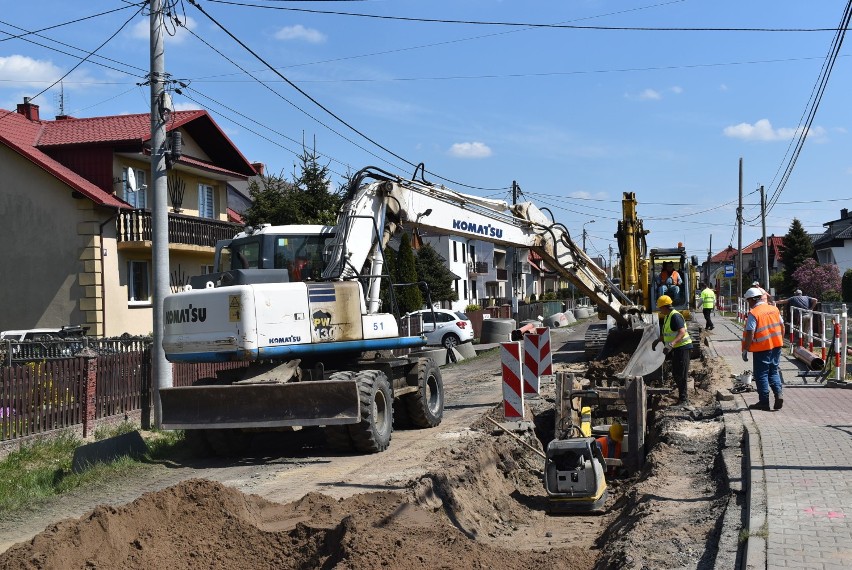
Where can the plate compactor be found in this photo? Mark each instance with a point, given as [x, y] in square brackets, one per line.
[574, 476]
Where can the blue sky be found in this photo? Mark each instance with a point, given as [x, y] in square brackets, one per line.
[575, 116]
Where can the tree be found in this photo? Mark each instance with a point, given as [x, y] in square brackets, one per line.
[846, 285]
[797, 248]
[390, 270]
[409, 298]
[306, 200]
[432, 268]
[817, 280]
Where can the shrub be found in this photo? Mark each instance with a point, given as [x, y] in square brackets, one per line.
[472, 307]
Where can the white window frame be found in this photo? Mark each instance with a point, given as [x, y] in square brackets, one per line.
[133, 296]
[206, 201]
[138, 197]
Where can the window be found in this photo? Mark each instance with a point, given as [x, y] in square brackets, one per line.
[207, 269]
[455, 252]
[205, 201]
[138, 196]
[464, 283]
[138, 282]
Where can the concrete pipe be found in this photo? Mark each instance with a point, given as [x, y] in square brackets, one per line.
[813, 361]
[497, 330]
[569, 317]
[580, 313]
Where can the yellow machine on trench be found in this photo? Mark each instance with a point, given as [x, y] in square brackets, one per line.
[575, 466]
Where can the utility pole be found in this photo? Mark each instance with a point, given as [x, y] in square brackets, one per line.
[609, 264]
[161, 368]
[740, 236]
[709, 256]
[765, 245]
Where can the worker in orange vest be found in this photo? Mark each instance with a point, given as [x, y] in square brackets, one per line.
[763, 337]
[610, 445]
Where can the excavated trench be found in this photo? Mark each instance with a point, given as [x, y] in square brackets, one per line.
[482, 504]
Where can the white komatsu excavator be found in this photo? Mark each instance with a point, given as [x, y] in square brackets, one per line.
[302, 305]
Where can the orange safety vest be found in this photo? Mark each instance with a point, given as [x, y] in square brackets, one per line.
[674, 275]
[607, 450]
[769, 332]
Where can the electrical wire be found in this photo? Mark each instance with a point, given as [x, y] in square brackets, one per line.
[321, 106]
[811, 110]
[90, 54]
[54, 26]
[518, 24]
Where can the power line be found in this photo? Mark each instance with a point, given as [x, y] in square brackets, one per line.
[90, 54]
[320, 105]
[83, 19]
[519, 24]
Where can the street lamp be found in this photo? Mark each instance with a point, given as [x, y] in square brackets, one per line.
[584, 233]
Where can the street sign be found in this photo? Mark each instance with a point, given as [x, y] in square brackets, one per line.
[729, 270]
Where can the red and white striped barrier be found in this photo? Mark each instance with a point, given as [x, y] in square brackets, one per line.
[839, 372]
[538, 360]
[513, 393]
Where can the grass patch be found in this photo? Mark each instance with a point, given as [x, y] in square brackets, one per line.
[40, 471]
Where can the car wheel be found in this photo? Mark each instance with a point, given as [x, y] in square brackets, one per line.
[450, 341]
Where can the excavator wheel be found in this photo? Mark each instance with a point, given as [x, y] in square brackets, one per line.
[373, 433]
[228, 442]
[337, 437]
[426, 406]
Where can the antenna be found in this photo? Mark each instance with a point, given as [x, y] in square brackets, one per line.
[61, 98]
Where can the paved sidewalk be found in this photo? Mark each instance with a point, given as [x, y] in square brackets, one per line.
[799, 466]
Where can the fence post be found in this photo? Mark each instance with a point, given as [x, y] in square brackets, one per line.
[843, 341]
[90, 384]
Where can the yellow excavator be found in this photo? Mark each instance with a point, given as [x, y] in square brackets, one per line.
[639, 276]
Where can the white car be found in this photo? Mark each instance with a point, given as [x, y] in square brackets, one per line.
[446, 328]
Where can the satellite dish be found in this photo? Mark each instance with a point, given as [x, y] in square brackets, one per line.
[131, 180]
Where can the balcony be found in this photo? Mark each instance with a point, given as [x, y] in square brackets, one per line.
[477, 267]
[135, 227]
[502, 274]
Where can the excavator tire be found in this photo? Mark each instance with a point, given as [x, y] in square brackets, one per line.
[426, 406]
[337, 437]
[373, 433]
[228, 442]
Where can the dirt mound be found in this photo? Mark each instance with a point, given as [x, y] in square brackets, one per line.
[202, 524]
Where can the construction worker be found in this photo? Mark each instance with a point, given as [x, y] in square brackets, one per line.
[708, 302]
[670, 281]
[763, 337]
[677, 345]
[610, 445]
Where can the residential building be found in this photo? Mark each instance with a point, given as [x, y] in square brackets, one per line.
[77, 208]
[835, 244]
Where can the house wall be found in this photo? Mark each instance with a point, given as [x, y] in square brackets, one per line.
[49, 246]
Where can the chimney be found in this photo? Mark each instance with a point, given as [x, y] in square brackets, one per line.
[29, 110]
[844, 213]
[258, 167]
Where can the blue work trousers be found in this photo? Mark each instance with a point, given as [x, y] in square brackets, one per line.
[767, 374]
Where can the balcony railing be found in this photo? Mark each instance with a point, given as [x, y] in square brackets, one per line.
[135, 225]
[502, 274]
[474, 267]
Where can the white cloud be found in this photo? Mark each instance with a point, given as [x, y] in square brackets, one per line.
[677, 90]
[300, 32]
[141, 30]
[27, 72]
[650, 95]
[763, 130]
[470, 150]
[188, 106]
[588, 195]
[723, 87]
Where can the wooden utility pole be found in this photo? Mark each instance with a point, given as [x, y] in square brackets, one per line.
[740, 236]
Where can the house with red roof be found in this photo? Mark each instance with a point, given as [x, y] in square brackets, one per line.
[714, 268]
[77, 212]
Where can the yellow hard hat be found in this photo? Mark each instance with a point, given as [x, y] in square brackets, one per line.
[616, 432]
[663, 301]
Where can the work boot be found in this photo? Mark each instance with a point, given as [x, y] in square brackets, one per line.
[779, 403]
[761, 406]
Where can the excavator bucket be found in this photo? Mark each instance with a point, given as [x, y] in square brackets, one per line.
[645, 359]
[265, 405]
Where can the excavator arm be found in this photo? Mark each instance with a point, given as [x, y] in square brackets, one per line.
[378, 204]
